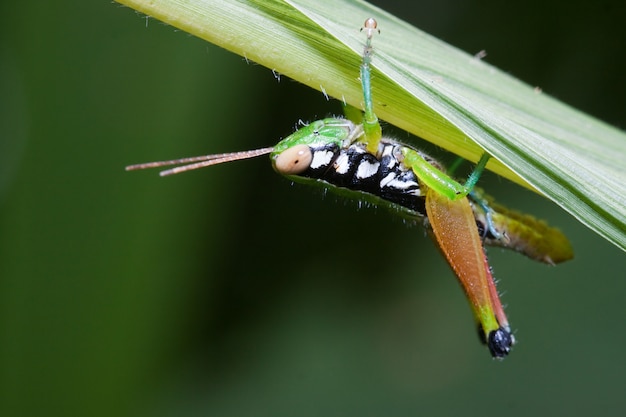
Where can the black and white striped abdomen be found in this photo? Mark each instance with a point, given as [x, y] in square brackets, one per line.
[356, 169]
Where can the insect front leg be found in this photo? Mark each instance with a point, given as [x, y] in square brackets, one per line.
[371, 125]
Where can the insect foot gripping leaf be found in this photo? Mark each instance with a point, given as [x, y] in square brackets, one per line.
[454, 229]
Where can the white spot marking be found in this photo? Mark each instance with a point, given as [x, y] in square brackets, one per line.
[401, 185]
[342, 164]
[366, 169]
[321, 158]
[385, 181]
[388, 151]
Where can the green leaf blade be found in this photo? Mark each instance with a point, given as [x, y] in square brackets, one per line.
[430, 89]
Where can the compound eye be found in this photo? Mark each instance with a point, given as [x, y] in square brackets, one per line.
[294, 160]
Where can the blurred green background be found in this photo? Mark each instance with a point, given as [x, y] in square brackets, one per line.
[230, 292]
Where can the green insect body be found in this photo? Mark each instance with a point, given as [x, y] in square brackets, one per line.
[352, 157]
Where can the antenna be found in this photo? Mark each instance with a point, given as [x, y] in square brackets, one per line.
[195, 162]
